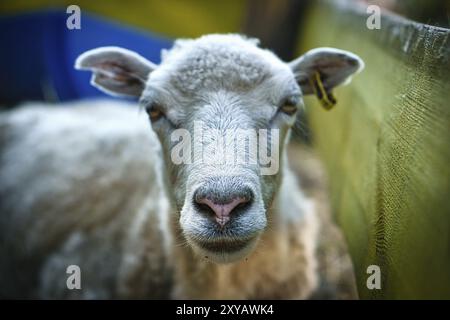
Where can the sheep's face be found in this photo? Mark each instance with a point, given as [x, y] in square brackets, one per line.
[214, 106]
[222, 109]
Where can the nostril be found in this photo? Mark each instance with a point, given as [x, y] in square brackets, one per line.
[222, 210]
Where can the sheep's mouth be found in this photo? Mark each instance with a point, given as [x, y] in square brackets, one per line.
[224, 250]
[223, 246]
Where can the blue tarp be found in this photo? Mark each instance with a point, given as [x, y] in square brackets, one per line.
[38, 52]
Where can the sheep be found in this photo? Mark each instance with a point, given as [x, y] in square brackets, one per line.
[95, 184]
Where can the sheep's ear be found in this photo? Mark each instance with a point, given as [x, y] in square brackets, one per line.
[116, 71]
[333, 66]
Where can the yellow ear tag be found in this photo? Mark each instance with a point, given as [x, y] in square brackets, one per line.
[325, 97]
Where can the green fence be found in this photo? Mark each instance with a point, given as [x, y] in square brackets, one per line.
[386, 147]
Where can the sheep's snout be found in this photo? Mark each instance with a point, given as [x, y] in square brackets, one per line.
[224, 216]
[223, 206]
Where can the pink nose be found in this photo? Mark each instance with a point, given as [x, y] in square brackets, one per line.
[222, 211]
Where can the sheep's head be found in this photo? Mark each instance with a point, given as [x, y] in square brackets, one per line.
[222, 108]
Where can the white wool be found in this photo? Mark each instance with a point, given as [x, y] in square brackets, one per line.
[231, 60]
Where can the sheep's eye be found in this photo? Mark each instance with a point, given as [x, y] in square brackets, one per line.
[289, 106]
[154, 113]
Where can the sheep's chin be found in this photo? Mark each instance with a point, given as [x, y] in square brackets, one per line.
[224, 257]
